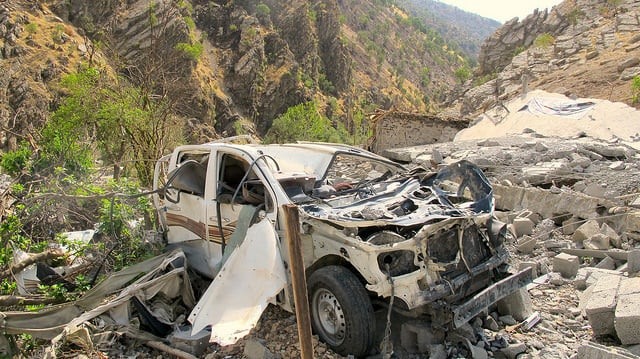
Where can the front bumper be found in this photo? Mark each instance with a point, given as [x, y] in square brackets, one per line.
[479, 302]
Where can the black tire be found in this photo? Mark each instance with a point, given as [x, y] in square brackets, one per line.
[341, 312]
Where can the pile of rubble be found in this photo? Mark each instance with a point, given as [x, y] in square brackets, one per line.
[571, 204]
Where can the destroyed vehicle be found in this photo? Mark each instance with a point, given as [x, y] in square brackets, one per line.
[370, 229]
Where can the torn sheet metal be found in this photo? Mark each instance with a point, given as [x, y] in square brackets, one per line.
[248, 281]
[165, 274]
[458, 190]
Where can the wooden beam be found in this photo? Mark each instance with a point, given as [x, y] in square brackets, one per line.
[298, 280]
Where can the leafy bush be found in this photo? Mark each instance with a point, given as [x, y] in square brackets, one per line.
[15, 162]
[303, 122]
[635, 90]
[193, 51]
[31, 28]
[462, 74]
[544, 40]
[262, 10]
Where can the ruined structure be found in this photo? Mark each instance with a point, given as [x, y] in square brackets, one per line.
[393, 129]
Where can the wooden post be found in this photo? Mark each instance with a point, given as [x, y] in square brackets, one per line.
[296, 266]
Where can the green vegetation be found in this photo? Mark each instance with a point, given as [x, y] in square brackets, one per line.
[191, 25]
[575, 15]
[326, 85]
[635, 90]
[185, 5]
[192, 51]
[31, 28]
[58, 33]
[304, 122]
[462, 74]
[262, 10]
[425, 76]
[484, 79]
[119, 121]
[544, 40]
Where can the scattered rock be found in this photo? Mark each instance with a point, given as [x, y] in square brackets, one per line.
[618, 166]
[566, 264]
[630, 62]
[587, 230]
[597, 241]
[254, 349]
[512, 351]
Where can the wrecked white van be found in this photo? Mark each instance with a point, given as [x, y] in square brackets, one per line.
[370, 228]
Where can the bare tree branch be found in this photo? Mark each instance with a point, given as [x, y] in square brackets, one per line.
[34, 258]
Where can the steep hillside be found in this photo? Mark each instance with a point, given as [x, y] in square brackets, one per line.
[227, 66]
[581, 48]
[463, 29]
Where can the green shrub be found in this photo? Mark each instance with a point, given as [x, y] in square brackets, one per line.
[462, 74]
[192, 51]
[18, 161]
[31, 28]
[635, 90]
[544, 40]
[303, 122]
[262, 10]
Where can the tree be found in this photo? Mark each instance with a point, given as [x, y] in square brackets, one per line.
[303, 122]
[121, 121]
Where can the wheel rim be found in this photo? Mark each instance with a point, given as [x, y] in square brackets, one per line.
[329, 316]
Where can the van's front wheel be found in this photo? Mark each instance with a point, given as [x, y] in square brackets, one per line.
[341, 312]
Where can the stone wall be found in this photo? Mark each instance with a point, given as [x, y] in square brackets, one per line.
[399, 129]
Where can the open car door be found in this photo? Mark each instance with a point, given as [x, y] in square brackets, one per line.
[251, 275]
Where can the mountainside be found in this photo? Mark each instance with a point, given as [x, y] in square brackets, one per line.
[463, 29]
[228, 67]
[581, 48]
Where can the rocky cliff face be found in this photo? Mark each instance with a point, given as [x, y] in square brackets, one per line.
[584, 48]
[29, 65]
[249, 61]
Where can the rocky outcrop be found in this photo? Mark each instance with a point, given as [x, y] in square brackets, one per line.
[25, 95]
[498, 50]
[573, 34]
[335, 59]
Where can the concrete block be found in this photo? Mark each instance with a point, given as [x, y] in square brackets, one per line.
[614, 237]
[629, 286]
[633, 261]
[607, 263]
[566, 264]
[417, 337]
[600, 310]
[587, 230]
[522, 227]
[627, 318]
[570, 225]
[584, 299]
[588, 276]
[533, 265]
[517, 304]
[598, 241]
[590, 350]
[594, 190]
[609, 283]
[526, 244]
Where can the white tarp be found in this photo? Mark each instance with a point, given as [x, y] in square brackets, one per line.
[558, 107]
[248, 281]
